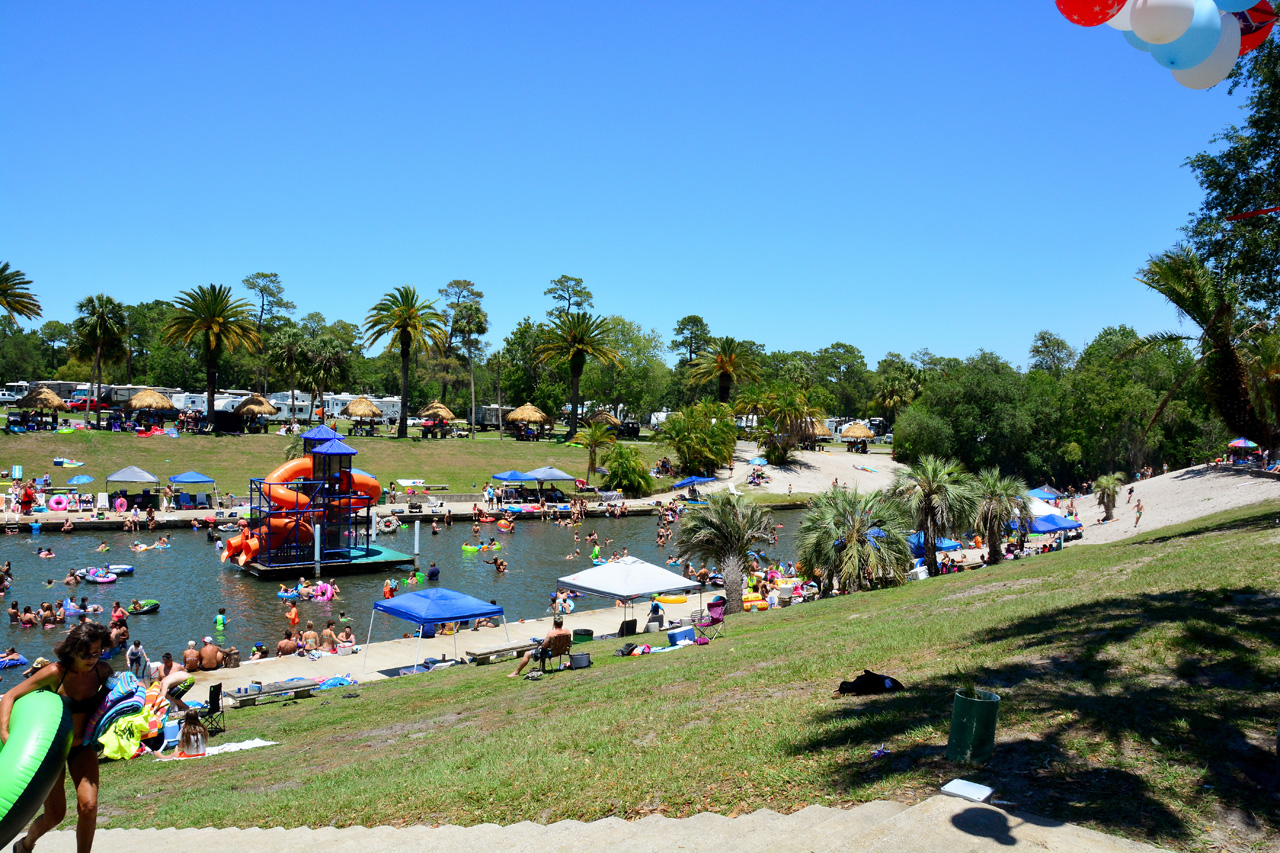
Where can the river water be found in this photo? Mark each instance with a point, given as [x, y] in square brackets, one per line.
[191, 583]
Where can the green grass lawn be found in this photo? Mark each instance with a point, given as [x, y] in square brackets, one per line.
[1138, 683]
[232, 460]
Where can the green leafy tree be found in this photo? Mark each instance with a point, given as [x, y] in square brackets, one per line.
[25, 355]
[56, 338]
[217, 322]
[702, 437]
[725, 361]
[628, 471]
[1001, 500]
[327, 362]
[573, 338]
[1107, 488]
[637, 381]
[288, 348]
[1051, 354]
[593, 437]
[268, 293]
[467, 324]
[410, 323]
[841, 371]
[99, 336]
[572, 291]
[721, 533]
[940, 497]
[860, 538]
[16, 297]
[691, 336]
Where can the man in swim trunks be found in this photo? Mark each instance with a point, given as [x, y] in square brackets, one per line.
[211, 657]
[287, 646]
[540, 652]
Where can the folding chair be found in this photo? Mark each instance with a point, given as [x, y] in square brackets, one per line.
[202, 500]
[215, 716]
[185, 501]
[557, 647]
[713, 624]
[103, 502]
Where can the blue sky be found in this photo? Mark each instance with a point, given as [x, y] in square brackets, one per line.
[796, 173]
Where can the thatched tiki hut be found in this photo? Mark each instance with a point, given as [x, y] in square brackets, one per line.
[603, 417]
[528, 414]
[41, 400]
[855, 434]
[255, 406]
[149, 401]
[360, 409]
[439, 413]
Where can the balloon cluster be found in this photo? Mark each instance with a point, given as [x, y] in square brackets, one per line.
[1198, 40]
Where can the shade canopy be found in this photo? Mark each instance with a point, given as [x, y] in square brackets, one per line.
[148, 399]
[815, 428]
[528, 414]
[1042, 494]
[361, 407]
[627, 579]
[916, 541]
[603, 417]
[132, 474]
[856, 430]
[191, 477]
[44, 399]
[255, 405]
[437, 605]
[549, 473]
[334, 447]
[1051, 490]
[1040, 508]
[1054, 524]
[437, 411]
[514, 477]
[692, 481]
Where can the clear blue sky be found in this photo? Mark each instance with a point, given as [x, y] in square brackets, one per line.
[952, 176]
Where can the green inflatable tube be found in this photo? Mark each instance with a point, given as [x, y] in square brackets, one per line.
[31, 761]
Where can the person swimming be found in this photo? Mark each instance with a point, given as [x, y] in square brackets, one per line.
[103, 546]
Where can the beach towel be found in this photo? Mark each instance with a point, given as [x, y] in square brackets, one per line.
[240, 746]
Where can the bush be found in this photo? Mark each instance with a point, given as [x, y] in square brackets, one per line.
[628, 471]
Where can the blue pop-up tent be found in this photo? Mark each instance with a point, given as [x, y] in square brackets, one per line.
[431, 607]
[1043, 494]
[190, 477]
[1054, 524]
[692, 481]
[916, 541]
[514, 477]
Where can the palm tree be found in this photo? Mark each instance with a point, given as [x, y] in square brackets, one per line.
[574, 337]
[325, 366]
[16, 296]
[861, 538]
[412, 323]
[210, 315]
[594, 437]
[1001, 500]
[288, 346]
[722, 532]
[940, 497]
[726, 361]
[1212, 302]
[99, 335]
[1107, 488]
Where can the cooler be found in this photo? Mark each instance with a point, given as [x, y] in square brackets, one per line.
[676, 636]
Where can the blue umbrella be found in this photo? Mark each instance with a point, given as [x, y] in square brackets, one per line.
[692, 481]
[80, 480]
[916, 541]
[759, 460]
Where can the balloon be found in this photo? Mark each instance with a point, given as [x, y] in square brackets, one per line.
[1121, 20]
[1089, 13]
[1197, 43]
[1255, 25]
[1215, 69]
[1161, 21]
[1235, 5]
[1136, 42]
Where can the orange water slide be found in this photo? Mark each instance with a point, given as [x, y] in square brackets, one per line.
[248, 544]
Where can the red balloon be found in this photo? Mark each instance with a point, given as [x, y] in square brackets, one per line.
[1255, 25]
[1090, 13]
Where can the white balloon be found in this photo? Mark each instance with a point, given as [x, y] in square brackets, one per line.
[1161, 21]
[1215, 69]
[1121, 20]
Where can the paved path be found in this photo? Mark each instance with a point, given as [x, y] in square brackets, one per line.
[941, 824]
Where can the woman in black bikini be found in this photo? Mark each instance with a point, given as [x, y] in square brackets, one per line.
[81, 677]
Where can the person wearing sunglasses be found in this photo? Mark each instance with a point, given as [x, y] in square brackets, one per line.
[79, 675]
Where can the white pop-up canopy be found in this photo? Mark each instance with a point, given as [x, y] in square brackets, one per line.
[626, 580]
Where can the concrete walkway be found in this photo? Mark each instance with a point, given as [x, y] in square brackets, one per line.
[941, 824]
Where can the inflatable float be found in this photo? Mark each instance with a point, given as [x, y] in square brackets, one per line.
[288, 594]
[493, 547]
[97, 576]
[148, 605]
[505, 526]
[671, 599]
[125, 696]
[31, 760]
[57, 503]
[753, 601]
[388, 525]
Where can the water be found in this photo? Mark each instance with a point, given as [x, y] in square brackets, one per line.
[191, 583]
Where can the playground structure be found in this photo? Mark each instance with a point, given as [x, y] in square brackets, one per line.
[313, 510]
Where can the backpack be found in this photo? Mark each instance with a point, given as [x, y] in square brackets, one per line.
[625, 651]
[869, 684]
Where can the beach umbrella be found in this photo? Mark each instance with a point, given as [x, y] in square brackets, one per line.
[759, 460]
[856, 431]
[1242, 442]
[603, 417]
[79, 480]
[549, 473]
[528, 414]
[43, 399]
[147, 399]
[437, 411]
[255, 405]
[692, 481]
[360, 408]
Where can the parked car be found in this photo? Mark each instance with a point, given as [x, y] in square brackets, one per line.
[84, 404]
[413, 422]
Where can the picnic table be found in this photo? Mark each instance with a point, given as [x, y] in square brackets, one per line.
[300, 689]
[489, 653]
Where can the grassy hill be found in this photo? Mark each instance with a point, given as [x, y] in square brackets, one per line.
[1138, 683]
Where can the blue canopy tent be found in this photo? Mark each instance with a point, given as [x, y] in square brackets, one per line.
[1054, 524]
[431, 607]
[548, 474]
[916, 541]
[188, 478]
[692, 481]
[1043, 494]
[514, 477]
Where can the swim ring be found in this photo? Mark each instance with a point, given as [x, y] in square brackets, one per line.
[57, 503]
[99, 576]
[287, 594]
[120, 569]
[486, 519]
[31, 760]
[124, 697]
[388, 524]
[672, 599]
[148, 605]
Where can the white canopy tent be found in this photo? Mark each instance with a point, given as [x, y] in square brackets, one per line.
[626, 580]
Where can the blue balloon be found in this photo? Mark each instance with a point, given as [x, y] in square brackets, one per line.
[1195, 45]
[1236, 5]
[1136, 42]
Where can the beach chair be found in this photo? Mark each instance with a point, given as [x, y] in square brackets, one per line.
[555, 647]
[103, 503]
[202, 500]
[185, 501]
[711, 626]
[214, 717]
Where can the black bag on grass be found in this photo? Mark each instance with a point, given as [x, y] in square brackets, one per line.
[625, 651]
[869, 684]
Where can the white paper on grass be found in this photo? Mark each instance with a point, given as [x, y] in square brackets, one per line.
[971, 791]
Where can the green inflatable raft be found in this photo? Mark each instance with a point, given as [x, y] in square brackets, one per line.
[31, 760]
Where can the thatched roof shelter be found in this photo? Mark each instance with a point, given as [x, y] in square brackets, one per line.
[148, 399]
[816, 428]
[856, 431]
[255, 405]
[360, 408]
[43, 399]
[603, 417]
[437, 411]
[528, 414]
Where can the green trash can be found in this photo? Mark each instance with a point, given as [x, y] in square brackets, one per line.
[583, 635]
[973, 727]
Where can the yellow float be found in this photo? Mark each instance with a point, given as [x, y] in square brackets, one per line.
[753, 601]
[672, 599]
